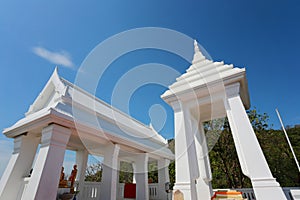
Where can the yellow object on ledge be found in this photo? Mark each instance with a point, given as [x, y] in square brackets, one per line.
[230, 194]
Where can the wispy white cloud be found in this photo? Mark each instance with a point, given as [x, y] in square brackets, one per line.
[59, 58]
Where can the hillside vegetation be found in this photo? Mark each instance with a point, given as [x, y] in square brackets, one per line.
[225, 166]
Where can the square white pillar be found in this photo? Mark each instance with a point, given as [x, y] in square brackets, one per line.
[203, 182]
[44, 180]
[19, 165]
[120, 190]
[118, 171]
[163, 177]
[141, 176]
[133, 169]
[108, 189]
[81, 161]
[186, 165]
[250, 154]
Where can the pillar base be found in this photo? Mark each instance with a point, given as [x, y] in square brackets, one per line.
[204, 189]
[267, 188]
[185, 189]
[201, 190]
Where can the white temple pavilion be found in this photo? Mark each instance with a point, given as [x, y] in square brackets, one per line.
[210, 90]
[50, 123]
[65, 117]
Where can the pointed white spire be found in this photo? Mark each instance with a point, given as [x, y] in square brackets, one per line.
[60, 87]
[196, 46]
[40, 101]
[55, 72]
[198, 56]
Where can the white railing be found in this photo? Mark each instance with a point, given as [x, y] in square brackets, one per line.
[153, 191]
[121, 187]
[287, 192]
[249, 193]
[91, 190]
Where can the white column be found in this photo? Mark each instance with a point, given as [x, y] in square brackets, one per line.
[81, 161]
[18, 167]
[163, 177]
[120, 190]
[203, 182]
[44, 180]
[186, 164]
[133, 169]
[141, 175]
[108, 189]
[252, 160]
[118, 172]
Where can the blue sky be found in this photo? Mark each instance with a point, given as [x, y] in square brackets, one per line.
[262, 36]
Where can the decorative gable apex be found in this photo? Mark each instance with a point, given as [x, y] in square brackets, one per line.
[50, 94]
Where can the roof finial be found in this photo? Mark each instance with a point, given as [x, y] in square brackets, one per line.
[198, 56]
[55, 72]
[196, 46]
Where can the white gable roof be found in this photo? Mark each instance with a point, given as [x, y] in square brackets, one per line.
[57, 100]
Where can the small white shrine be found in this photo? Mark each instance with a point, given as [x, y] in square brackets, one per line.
[49, 128]
[210, 90]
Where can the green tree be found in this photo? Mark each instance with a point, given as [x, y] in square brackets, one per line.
[225, 165]
[126, 172]
[94, 172]
[226, 169]
[279, 156]
[152, 172]
[172, 174]
[171, 143]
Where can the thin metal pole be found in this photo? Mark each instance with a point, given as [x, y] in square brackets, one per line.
[287, 138]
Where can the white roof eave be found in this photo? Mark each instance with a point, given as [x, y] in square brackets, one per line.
[52, 115]
[28, 123]
[178, 91]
